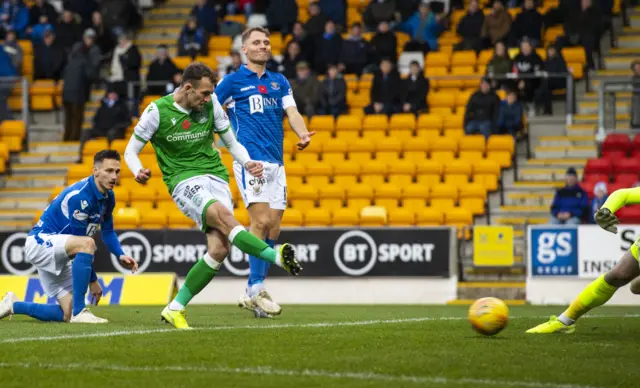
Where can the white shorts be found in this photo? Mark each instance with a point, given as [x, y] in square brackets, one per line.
[48, 254]
[271, 188]
[194, 195]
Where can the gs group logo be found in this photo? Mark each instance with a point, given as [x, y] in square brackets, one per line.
[13, 257]
[553, 251]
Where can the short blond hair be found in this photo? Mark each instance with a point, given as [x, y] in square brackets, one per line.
[247, 33]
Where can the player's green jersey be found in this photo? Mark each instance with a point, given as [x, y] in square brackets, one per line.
[183, 140]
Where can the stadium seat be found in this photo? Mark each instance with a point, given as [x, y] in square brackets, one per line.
[93, 146]
[177, 220]
[617, 142]
[503, 158]
[401, 217]
[429, 216]
[388, 144]
[292, 217]
[303, 192]
[376, 122]
[472, 143]
[614, 154]
[437, 100]
[153, 219]
[373, 216]
[624, 179]
[4, 151]
[242, 215]
[334, 145]
[334, 191]
[402, 167]
[429, 167]
[402, 121]
[443, 149]
[361, 145]
[317, 217]
[443, 196]
[303, 205]
[77, 172]
[473, 197]
[345, 217]
[144, 193]
[416, 144]
[501, 143]
[463, 58]
[430, 121]
[437, 59]
[10, 128]
[629, 214]
[598, 166]
[459, 217]
[322, 124]
[454, 121]
[599, 177]
[484, 57]
[126, 218]
[626, 165]
[346, 173]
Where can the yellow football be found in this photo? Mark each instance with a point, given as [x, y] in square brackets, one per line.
[488, 316]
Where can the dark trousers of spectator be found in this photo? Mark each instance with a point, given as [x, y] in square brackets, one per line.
[387, 109]
[5, 112]
[510, 129]
[93, 133]
[73, 120]
[476, 126]
[335, 110]
[414, 45]
[474, 44]
[307, 109]
[543, 94]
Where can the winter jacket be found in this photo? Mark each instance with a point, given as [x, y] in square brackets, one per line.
[48, 61]
[415, 91]
[528, 23]
[528, 64]
[282, 12]
[482, 107]
[47, 10]
[470, 26]
[377, 12]
[430, 31]
[115, 116]
[6, 65]
[355, 52]
[334, 93]
[499, 65]
[510, 116]
[18, 16]
[335, 10]
[496, 26]
[385, 88]
[207, 18]
[83, 68]
[570, 199]
[384, 46]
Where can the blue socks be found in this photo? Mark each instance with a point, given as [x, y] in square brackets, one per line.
[258, 268]
[41, 312]
[81, 270]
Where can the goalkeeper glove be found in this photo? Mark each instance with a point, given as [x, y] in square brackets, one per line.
[607, 220]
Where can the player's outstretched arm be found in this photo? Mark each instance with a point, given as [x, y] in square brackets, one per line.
[110, 239]
[240, 153]
[299, 127]
[142, 133]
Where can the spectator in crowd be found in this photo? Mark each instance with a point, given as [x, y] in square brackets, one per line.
[424, 27]
[510, 116]
[317, 21]
[175, 83]
[12, 47]
[384, 44]
[291, 58]
[583, 27]
[110, 121]
[328, 48]
[125, 66]
[406, 8]
[68, 31]
[635, 95]
[82, 70]
[104, 38]
[38, 30]
[599, 198]
[335, 10]
[14, 16]
[40, 8]
[193, 40]
[119, 15]
[379, 11]
[570, 201]
[306, 90]
[355, 52]
[528, 24]
[282, 15]
[49, 58]
[499, 65]
[527, 62]
[470, 28]
[386, 96]
[6, 70]
[236, 6]
[236, 62]
[206, 15]
[85, 8]
[554, 63]
[416, 88]
[334, 93]
[161, 70]
[482, 111]
[305, 42]
[496, 24]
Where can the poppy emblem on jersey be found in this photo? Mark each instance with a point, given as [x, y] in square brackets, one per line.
[262, 89]
[186, 125]
[275, 86]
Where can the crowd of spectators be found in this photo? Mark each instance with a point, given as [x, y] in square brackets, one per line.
[571, 204]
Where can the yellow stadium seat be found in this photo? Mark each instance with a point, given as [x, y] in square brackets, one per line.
[177, 220]
[386, 191]
[317, 181]
[303, 205]
[93, 146]
[429, 167]
[319, 168]
[387, 203]
[361, 145]
[358, 203]
[415, 191]
[402, 167]
[345, 217]
[440, 100]
[415, 157]
[458, 167]
[472, 143]
[307, 158]
[122, 194]
[486, 166]
[127, 218]
[286, 125]
[375, 122]
[347, 136]
[334, 145]
[430, 121]
[42, 103]
[400, 180]
[401, 121]
[388, 144]
[153, 219]
[330, 204]
[462, 98]
[361, 158]
[332, 192]
[242, 216]
[4, 151]
[489, 181]
[142, 206]
[292, 217]
[574, 55]
[470, 156]
[463, 58]
[119, 145]
[454, 121]
[303, 192]
[443, 196]
[296, 169]
[373, 216]
[357, 100]
[435, 71]
[361, 191]
[456, 180]
[403, 135]
[429, 216]
[166, 206]
[401, 217]
[220, 43]
[414, 203]
[322, 124]
[503, 158]
[472, 197]
[389, 157]
[182, 62]
[437, 59]
[577, 69]
[444, 143]
[459, 217]
[144, 193]
[501, 143]
[317, 217]
[336, 159]
[12, 128]
[428, 134]
[77, 172]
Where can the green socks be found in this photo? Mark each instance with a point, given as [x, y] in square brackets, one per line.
[197, 279]
[252, 245]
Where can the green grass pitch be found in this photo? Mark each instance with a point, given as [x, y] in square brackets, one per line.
[320, 346]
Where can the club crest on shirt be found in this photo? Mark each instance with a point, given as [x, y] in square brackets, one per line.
[275, 86]
[200, 117]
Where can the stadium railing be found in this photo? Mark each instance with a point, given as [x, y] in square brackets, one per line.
[17, 88]
[607, 111]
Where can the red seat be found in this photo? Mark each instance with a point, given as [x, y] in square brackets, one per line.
[598, 166]
[636, 142]
[626, 165]
[635, 152]
[596, 178]
[629, 214]
[613, 154]
[615, 186]
[617, 141]
[626, 179]
[588, 187]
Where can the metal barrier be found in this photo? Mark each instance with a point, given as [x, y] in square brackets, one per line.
[607, 99]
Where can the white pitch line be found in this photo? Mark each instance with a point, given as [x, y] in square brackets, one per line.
[267, 327]
[269, 371]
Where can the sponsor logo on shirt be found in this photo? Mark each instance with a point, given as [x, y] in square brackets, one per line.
[257, 103]
[247, 88]
[190, 137]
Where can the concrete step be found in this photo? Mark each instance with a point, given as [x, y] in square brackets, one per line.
[591, 107]
[42, 157]
[33, 181]
[593, 96]
[544, 174]
[492, 274]
[34, 204]
[533, 186]
[53, 147]
[520, 221]
[620, 62]
[18, 215]
[11, 226]
[566, 151]
[543, 198]
[629, 41]
[565, 141]
[159, 32]
[536, 163]
[581, 130]
[176, 17]
[502, 290]
[621, 118]
[48, 169]
[36, 193]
